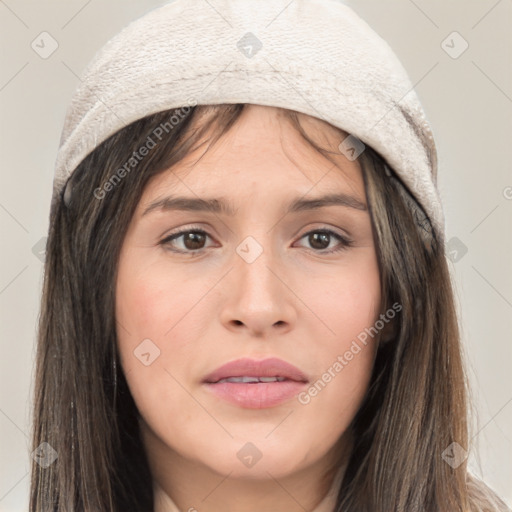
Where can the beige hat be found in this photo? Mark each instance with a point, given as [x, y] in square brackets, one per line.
[313, 56]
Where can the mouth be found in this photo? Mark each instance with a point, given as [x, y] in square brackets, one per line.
[251, 380]
[253, 371]
[253, 384]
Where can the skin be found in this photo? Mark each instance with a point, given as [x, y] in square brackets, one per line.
[208, 307]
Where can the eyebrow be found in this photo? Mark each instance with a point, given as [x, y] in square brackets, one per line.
[222, 206]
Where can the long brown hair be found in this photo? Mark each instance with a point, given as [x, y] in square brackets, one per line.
[415, 407]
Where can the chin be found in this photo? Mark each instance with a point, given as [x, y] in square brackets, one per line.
[260, 458]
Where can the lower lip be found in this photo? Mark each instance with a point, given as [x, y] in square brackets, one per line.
[259, 395]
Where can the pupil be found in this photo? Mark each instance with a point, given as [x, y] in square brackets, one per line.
[195, 240]
[315, 237]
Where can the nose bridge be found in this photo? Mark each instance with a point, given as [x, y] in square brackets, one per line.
[255, 258]
[257, 299]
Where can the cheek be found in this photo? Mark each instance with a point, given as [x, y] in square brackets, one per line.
[153, 307]
[348, 305]
[151, 301]
[346, 300]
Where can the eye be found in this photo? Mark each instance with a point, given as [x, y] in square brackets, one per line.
[193, 240]
[320, 239]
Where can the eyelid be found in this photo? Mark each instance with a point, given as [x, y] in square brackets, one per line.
[326, 227]
[182, 231]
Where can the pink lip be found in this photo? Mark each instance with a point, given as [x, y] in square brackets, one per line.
[256, 395]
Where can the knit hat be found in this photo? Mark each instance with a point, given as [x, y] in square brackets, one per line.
[314, 56]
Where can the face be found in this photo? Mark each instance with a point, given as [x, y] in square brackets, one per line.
[266, 283]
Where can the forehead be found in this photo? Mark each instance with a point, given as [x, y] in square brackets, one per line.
[264, 153]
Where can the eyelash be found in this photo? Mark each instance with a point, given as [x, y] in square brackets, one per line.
[345, 242]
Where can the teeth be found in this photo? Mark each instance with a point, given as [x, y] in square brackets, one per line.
[242, 379]
[271, 379]
[252, 380]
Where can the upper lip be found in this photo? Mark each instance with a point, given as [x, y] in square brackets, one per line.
[245, 367]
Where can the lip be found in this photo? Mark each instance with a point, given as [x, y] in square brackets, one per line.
[259, 395]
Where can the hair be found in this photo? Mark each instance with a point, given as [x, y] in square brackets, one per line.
[416, 404]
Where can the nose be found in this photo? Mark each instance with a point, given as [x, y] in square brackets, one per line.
[258, 297]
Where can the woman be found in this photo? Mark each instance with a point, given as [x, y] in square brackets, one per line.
[247, 304]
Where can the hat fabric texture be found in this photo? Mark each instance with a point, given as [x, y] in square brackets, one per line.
[317, 57]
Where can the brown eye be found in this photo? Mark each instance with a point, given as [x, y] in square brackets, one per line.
[190, 241]
[193, 240]
[320, 239]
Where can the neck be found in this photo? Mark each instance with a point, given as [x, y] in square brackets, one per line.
[193, 487]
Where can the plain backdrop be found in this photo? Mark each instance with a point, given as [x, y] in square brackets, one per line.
[467, 95]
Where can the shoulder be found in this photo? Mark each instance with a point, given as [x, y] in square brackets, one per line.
[482, 498]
